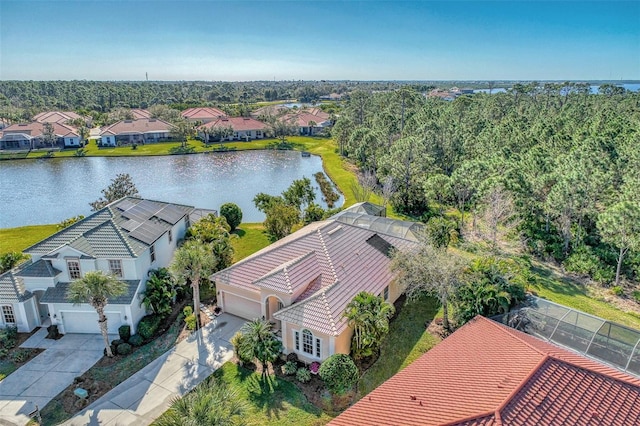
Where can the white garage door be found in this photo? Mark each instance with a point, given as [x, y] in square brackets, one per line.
[87, 322]
[244, 308]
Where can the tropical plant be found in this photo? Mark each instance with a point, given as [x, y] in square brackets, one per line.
[96, 288]
[10, 260]
[232, 213]
[259, 342]
[214, 232]
[68, 222]
[369, 316]
[339, 373]
[192, 262]
[121, 186]
[160, 292]
[303, 375]
[289, 368]
[212, 403]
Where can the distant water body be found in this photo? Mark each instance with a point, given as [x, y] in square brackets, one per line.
[633, 87]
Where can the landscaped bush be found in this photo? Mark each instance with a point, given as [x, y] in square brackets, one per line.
[3, 352]
[21, 355]
[188, 310]
[8, 337]
[148, 326]
[124, 331]
[136, 340]
[636, 295]
[238, 341]
[617, 290]
[190, 321]
[124, 349]
[160, 294]
[232, 213]
[117, 342]
[339, 373]
[314, 367]
[289, 368]
[303, 375]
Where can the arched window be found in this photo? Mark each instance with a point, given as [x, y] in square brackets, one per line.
[308, 344]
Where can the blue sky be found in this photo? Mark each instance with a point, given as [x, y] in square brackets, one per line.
[313, 40]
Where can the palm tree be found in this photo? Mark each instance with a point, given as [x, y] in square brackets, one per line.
[259, 342]
[193, 261]
[95, 288]
[369, 316]
[213, 403]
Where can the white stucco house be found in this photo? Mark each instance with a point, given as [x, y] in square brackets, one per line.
[127, 238]
[303, 283]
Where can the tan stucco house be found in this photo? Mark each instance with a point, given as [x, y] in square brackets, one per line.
[303, 282]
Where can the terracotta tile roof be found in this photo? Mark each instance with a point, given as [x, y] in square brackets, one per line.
[238, 124]
[270, 110]
[486, 373]
[140, 113]
[139, 126]
[337, 262]
[318, 112]
[56, 116]
[303, 119]
[203, 113]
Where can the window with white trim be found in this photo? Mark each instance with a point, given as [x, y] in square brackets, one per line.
[115, 267]
[8, 315]
[152, 253]
[74, 269]
[310, 344]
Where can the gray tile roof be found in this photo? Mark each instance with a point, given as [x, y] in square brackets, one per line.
[38, 269]
[337, 263]
[124, 228]
[12, 289]
[58, 294]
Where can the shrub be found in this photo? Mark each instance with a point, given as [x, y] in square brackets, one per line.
[441, 231]
[3, 352]
[339, 373]
[124, 331]
[636, 295]
[239, 341]
[148, 326]
[124, 349]
[8, 337]
[232, 213]
[303, 375]
[117, 342]
[289, 368]
[584, 261]
[314, 367]
[188, 310]
[136, 340]
[21, 355]
[190, 321]
[617, 290]
[292, 356]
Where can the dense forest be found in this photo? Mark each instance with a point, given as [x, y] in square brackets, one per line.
[557, 168]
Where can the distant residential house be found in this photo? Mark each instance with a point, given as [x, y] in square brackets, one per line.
[60, 117]
[143, 130]
[331, 97]
[127, 238]
[303, 283]
[243, 129]
[307, 122]
[140, 113]
[270, 111]
[31, 136]
[203, 114]
[488, 374]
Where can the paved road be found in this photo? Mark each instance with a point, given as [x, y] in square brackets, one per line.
[48, 374]
[143, 397]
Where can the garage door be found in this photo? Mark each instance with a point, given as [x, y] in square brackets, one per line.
[244, 308]
[87, 322]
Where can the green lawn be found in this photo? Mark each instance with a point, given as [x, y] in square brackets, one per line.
[18, 239]
[251, 238]
[407, 340]
[270, 400]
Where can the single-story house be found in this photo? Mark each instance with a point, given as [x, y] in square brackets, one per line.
[143, 130]
[127, 238]
[31, 136]
[203, 114]
[241, 129]
[270, 111]
[303, 283]
[139, 113]
[486, 373]
[61, 117]
[307, 123]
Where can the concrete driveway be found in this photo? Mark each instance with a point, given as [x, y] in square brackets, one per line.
[147, 394]
[45, 376]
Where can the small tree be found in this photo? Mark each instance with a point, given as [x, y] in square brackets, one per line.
[259, 342]
[369, 316]
[339, 373]
[10, 260]
[619, 226]
[280, 220]
[121, 186]
[214, 232]
[95, 288]
[232, 213]
[49, 135]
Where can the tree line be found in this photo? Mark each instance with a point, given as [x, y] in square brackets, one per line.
[553, 164]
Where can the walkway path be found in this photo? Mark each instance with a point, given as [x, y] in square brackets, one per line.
[143, 397]
[45, 376]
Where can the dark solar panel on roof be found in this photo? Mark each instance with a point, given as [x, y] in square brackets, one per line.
[125, 204]
[170, 213]
[129, 225]
[380, 244]
[148, 232]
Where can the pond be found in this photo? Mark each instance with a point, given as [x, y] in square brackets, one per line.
[50, 190]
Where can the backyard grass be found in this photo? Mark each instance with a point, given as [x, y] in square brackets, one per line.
[270, 400]
[18, 239]
[408, 338]
[251, 238]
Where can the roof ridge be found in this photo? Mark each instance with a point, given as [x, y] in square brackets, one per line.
[283, 267]
[523, 382]
[326, 252]
[515, 336]
[122, 237]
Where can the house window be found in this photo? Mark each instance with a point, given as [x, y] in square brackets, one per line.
[170, 236]
[310, 344]
[115, 266]
[386, 293]
[152, 252]
[8, 315]
[74, 269]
